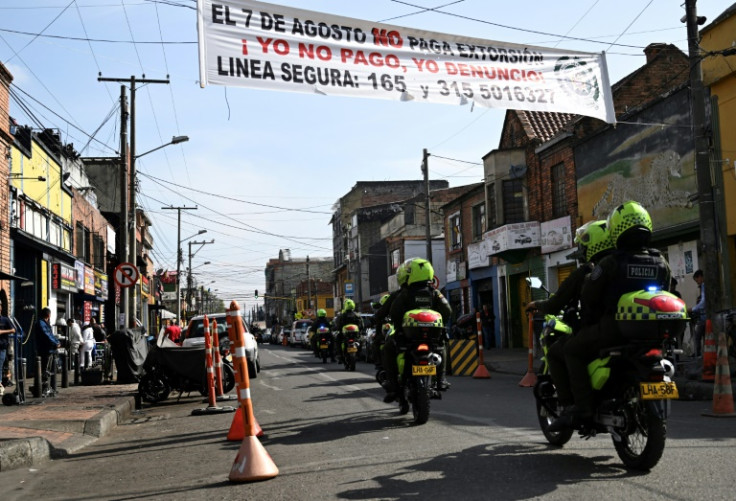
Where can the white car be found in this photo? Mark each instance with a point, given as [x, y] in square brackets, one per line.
[300, 333]
[194, 336]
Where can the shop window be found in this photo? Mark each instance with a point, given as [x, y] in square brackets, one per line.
[559, 201]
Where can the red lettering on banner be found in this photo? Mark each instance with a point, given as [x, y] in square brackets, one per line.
[280, 47]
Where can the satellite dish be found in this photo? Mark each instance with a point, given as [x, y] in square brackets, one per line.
[517, 171]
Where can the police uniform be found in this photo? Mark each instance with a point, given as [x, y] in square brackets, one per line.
[616, 274]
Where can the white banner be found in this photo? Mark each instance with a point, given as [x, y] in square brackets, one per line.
[264, 46]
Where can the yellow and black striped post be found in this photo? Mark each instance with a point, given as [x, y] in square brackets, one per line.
[463, 357]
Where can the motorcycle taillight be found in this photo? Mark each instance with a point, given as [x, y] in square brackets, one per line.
[423, 347]
[654, 352]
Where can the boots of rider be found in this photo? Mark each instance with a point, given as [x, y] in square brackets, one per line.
[389, 358]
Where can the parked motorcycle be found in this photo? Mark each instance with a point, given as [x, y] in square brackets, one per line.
[169, 367]
[324, 338]
[351, 345]
[418, 360]
[632, 383]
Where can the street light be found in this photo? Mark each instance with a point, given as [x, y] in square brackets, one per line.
[189, 274]
[178, 267]
[131, 314]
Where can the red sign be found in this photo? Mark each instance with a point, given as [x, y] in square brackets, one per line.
[126, 275]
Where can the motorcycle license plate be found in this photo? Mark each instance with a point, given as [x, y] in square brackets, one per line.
[352, 349]
[324, 346]
[658, 391]
[423, 370]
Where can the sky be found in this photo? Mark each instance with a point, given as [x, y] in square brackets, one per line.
[265, 168]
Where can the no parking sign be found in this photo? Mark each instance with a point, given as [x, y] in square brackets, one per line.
[126, 275]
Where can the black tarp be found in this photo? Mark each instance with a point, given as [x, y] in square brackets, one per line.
[129, 350]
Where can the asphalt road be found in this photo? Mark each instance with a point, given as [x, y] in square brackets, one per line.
[332, 437]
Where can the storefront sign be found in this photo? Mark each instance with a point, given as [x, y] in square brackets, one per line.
[79, 267]
[63, 277]
[556, 235]
[451, 271]
[479, 254]
[101, 285]
[89, 281]
[513, 236]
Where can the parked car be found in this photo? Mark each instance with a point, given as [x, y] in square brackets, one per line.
[299, 333]
[194, 336]
[285, 333]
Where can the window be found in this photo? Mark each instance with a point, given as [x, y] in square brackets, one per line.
[513, 201]
[559, 205]
[456, 237]
[491, 220]
[479, 221]
[98, 252]
[395, 259]
[409, 213]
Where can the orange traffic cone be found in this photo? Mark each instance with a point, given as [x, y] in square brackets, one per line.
[722, 392]
[252, 461]
[709, 353]
[237, 428]
[482, 371]
[530, 378]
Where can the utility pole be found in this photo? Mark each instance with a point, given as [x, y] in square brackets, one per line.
[189, 270]
[427, 215]
[122, 249]
[178, 257]
[309, 287]
[708, 242]
[132, 257]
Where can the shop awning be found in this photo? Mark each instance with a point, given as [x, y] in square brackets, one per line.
[167, 315]
[8, 276]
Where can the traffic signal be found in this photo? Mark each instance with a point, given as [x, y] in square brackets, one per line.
[256, 293]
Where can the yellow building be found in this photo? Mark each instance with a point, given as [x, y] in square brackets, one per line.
[718, 42]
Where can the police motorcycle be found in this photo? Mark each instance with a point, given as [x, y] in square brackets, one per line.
[350, 345]
[324, 338]
[632, 382]
[418, 360]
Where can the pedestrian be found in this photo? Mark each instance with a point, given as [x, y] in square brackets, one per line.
[697, 313]
[173, 331]
[87, 348]
[487, 321]
[6, 329]
[99, 331]
[47, 345]
[75, 338]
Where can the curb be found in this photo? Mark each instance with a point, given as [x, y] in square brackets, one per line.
[26, 452]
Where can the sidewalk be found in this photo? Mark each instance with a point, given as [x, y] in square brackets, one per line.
[53, 427]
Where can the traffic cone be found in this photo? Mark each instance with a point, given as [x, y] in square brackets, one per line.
[237, 428]
[252, 462]
[212, 408]
[722, 392]
[530, 378]
[482, 371]
[709, 353]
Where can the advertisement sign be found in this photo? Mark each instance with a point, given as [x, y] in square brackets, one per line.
[556, 235]
[79, 267]
[89, 281]
[479, 254]
[514, 236]
[63, 277]
[245, 43]
[101, 285]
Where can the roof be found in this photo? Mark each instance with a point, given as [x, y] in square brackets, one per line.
[543, 125]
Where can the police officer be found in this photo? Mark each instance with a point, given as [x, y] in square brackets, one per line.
[632, 266]
[594, 243]
[417, 275]
[347, 317]
[321, 321]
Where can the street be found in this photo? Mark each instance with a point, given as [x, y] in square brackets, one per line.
[332, 437]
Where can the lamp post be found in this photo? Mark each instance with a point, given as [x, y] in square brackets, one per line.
[131, 313]
[178, 267]
[190, 270]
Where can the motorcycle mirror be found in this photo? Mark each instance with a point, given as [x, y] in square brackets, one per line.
[534, 282]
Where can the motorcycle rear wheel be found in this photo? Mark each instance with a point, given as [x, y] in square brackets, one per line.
[153, 389]
[545, 393]
[643, 438]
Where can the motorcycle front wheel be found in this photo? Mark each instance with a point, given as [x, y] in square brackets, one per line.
[546, 399]
[420, 402]
[644, 434]
[153, 389]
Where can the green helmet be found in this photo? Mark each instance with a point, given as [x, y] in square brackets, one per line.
[321, 312]
[383, 299]
[632, 221]
[402, 273]
[593, 238]
[420, 271]
[349, 305]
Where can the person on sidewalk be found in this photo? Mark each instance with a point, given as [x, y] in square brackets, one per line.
[75, 339]
[632, 266]
[87, 348]
[47, 345]
[6, 328]
[697, 313]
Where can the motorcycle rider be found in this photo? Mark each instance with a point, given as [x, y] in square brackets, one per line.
[594, 243]
[347, 317]
[632, 266]
[321, 321]
[380, 318]
[417, 274]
